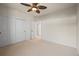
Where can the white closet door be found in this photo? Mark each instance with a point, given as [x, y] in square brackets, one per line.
[20, 30]
[0, 30]
[4, 39]
[33, 30]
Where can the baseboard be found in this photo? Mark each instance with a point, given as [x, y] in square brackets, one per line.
[61, 44]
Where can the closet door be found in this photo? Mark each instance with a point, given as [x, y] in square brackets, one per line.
[0, 30]
[20, 30]
[33, 30]
[4, 33]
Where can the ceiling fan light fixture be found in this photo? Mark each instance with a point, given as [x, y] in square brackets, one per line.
[34, 9]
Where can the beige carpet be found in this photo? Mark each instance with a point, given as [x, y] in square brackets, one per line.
[37, 48]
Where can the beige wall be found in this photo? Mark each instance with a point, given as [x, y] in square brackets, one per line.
[59, 27]
[78, 28]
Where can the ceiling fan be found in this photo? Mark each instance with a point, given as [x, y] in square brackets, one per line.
[34, 7]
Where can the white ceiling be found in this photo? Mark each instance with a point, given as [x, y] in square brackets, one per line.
[51, 7]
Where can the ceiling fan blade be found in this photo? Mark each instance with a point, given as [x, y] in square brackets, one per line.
[29, 10]
[42, 7]
[34, 4]
[38, 11]
[25, 4]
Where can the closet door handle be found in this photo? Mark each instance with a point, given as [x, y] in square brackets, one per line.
[0, 32]
[31, 30]
[24, 31]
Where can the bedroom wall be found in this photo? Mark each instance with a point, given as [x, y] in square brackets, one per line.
[9, 18]
[59, 27]
[78, 28]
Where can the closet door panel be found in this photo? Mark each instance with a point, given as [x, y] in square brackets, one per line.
[20, 30]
